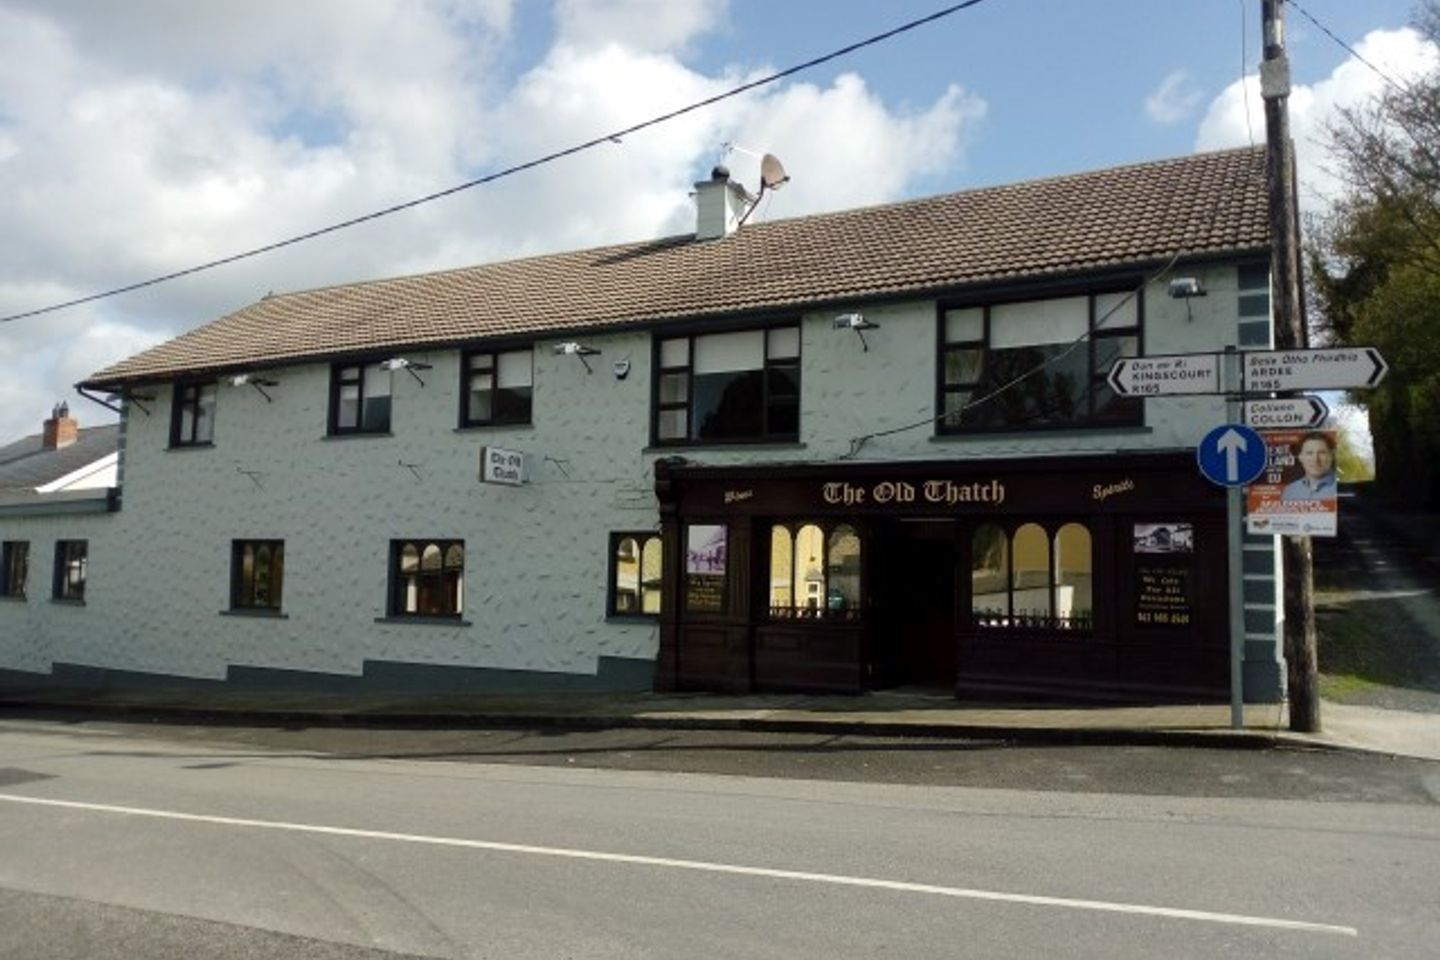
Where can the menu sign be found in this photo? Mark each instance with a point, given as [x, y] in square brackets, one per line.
[1162, 596]
[705, 550]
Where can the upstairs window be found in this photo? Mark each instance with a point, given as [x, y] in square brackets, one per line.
[192, 415]
[427, 577]
[71, 568]
[359, 398]
[14, 568]
[497, 388]
[1037, 363]
[728, 387]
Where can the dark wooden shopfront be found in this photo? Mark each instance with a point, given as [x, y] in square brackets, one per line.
[1072, 578]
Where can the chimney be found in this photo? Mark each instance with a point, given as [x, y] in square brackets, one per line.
[60, 430]
[719, 205]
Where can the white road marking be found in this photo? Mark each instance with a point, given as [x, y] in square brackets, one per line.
[701, 865]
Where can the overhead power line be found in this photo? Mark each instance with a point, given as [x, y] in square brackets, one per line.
[1347, 48]
[606, 138]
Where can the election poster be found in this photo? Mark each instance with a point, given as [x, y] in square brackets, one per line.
[1297, 492]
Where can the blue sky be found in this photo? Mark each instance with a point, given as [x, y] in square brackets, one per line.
[141, 138]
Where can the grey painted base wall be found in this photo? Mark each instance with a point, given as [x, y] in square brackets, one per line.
[380, 678]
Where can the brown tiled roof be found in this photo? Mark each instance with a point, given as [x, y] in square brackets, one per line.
[1211, 203]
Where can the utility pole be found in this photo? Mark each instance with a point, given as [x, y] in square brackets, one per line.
[1296, 556]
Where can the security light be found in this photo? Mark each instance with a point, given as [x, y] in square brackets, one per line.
[1183, 288]
[572, 349]
[858, 323]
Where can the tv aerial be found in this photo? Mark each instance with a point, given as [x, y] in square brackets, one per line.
[772, 175]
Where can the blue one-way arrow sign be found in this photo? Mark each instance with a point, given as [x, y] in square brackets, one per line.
[1231, 455]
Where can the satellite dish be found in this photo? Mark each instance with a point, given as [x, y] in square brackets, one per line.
[772, 172]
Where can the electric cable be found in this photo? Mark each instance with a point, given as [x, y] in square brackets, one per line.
[613, 137]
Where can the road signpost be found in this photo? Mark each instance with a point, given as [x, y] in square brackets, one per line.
[1182, 373]
[1325, 368]
[1290, 413]
[1231, 455]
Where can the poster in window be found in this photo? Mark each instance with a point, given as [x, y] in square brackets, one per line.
[1162, 595]
[1164, 538]
[705, 555]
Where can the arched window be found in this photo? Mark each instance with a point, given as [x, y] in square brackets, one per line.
[636, 570]
[782, 570]
[990, 576]
[842, 570]
[810, 570]
[815, 575]
[428, 578]
[1030, 575]
[1074, 604]
[257, 574]
[652, 572]
[1031, 580]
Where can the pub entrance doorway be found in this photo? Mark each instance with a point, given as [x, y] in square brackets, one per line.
[912, 633]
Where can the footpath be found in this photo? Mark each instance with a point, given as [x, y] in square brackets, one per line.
[1347, 727]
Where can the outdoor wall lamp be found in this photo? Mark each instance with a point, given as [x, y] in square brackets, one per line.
[573, 349]
[409, 366]
[259, 383]
[858, 323]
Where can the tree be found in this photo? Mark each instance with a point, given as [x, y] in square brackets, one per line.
[1375, 267]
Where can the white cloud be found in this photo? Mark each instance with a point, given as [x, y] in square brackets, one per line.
[651, 25]
[1403, 54]
[1174, 100]
[142, 138]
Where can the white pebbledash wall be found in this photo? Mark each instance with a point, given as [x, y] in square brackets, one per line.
[536, 556]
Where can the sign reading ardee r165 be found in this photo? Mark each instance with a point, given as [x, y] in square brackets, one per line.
[1328, 368]
[1157, 376]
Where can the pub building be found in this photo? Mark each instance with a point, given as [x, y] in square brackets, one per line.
[862, 450]
[1091, 577]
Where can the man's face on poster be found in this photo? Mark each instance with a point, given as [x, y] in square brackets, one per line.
[1316, 458]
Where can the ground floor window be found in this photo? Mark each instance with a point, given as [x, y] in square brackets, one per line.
[14, 565]
[1031, 577]
[635, 572]
[257, 574]
[428, 578]
[71, 567]
[814, 573]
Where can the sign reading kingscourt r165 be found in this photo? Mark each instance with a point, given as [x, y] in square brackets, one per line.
[1157, 376]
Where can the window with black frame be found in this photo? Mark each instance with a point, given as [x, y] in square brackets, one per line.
[636, 569]
[14, 568]
[742, 386]
[359, 398]
[814, 572]
[1030, 578]
[497, 387]
[257, 574]
[427, 578]
[1037, 364]
[192, 415]
[71, 570]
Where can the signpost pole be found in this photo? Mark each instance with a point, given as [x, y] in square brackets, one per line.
[1235, 547]
[1290, 334]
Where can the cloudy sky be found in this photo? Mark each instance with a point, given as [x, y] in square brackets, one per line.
[144, 137]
